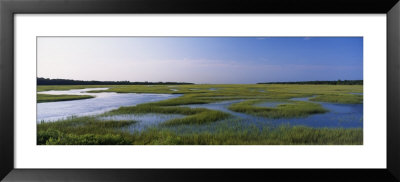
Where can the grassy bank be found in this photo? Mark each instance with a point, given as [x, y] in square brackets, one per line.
[290, 110]
[54, 98]
[89, 131]
[194, 115]
[82, 131]
[343, 98]
[203, 93]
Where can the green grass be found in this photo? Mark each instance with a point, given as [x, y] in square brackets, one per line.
[285, 135]
[54, 98]
[200, 94]
[290, 110]
[91, 131]
[195, 115]
[200, 118]
[149, 108]
[343, 98]
[82, 131]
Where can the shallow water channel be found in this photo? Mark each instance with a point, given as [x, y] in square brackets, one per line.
[103, 102]
[338, 116]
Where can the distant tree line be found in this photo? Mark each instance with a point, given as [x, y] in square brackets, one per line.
[48, 81]
[337, 82]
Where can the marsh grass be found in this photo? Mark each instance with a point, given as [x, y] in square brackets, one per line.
[91, 131]
[289, 110]
[55, 98]
[194, 115]
[284, 135]
[342, 98]
[199, 118]
[82, 130]
[148, 108]
[201, 93]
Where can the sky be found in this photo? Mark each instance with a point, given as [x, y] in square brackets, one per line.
[201, 60]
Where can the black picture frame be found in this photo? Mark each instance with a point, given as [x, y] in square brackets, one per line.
[10, 7]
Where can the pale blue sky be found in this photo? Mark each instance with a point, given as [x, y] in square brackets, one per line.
[201, 59]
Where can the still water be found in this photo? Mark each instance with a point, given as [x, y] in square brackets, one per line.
[338, 115]
[103, 102]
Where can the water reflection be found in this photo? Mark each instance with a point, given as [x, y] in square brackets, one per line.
[104, 101]
[339, 115]
[357, 93]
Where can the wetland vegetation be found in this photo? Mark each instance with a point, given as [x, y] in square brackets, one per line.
[54, 98]
[242, 119]
[199, 90]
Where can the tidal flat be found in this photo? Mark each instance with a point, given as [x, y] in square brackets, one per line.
[225, 114]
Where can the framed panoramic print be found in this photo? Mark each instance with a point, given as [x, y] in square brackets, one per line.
[199, 90]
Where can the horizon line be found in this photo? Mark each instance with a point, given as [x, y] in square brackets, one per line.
[204, 83]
